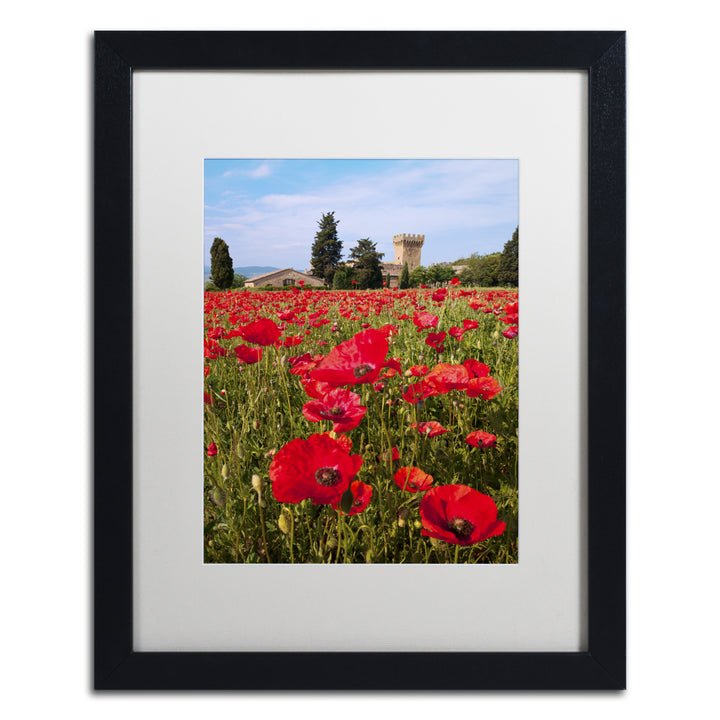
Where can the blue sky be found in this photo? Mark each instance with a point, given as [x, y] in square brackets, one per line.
[267, 211]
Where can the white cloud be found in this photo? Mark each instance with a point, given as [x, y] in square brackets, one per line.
[261, 171]
[459, 206]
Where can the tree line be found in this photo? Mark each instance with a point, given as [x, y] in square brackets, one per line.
[494, 269]
[364, 269]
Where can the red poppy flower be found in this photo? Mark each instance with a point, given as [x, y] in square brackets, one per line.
[362, 492]
[292, 340]
[357, 360]
[486, 387]
[389, 455]
[318, 468]
[460, 515]
[262, 331]
[435, 340]
[419, 370]
[469, 324]
[480, 439]
[303, 364]
[476, 368]
[418, 391]
[457, 333]
[455, 281]
[342, 440]
[217, 333]
[511, 332]
[425, 321]
[430, 428]
[316, 389]
[412, 479]
[440, 295]
[340, 406]
[248, 355]
[445, 377]
[423, 287]
[212, 450]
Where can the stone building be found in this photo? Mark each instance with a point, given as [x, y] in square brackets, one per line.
[408, 250]
[284, 278]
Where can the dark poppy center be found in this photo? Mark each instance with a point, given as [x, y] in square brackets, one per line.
[335, 411]
[460, 527]
[361, 370]
[328, 476]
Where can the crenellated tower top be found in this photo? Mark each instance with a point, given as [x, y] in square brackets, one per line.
[408, 248]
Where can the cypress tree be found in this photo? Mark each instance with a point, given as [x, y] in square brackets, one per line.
[404, 277]
[326, 249]
[221, 264]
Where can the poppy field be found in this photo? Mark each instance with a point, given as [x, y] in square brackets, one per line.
[375, 426]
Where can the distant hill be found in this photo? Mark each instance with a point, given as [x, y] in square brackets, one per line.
[248, 271]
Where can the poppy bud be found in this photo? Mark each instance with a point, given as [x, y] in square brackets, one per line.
[417, 524]
[225, 472]
[271, 453]
[407, 373]
[331, 543]
[369, 556]
[284, 521]
[257, 483]
[218, 496]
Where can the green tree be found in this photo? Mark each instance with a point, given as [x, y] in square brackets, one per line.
[507, 271]
[419, 276]
[404, 277]
[481, 270]
[326, 249]
[238, 281]
[221, 264]
[367, 268]
[342, 279]
[441, 273]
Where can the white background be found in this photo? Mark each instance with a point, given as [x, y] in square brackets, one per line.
[673, 265]
[534, 605]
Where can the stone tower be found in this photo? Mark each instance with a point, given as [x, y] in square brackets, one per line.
[408, 249]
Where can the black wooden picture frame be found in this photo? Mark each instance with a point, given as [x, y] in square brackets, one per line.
[117, 56]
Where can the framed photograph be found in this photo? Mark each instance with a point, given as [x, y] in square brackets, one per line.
[328, 455]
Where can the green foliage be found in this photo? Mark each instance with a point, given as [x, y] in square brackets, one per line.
[367, 268]
[211, 287]
[419, 276]
[326, 249]
[221, 264]
[507, 272]
[238, 281]
[441, 273]
[404, 278]
[343, 278]
[481, 270]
